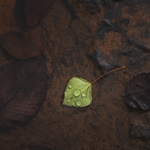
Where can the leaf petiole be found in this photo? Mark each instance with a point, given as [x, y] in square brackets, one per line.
[103, 76]
[107, 74]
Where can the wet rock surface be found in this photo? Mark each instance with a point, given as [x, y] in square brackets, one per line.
[97, 55]
[140, 131]
[92, 5]
[107, 123]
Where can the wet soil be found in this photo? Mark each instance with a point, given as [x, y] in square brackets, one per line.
[71, 31]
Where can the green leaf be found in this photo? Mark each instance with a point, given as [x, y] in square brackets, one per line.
[78, 93]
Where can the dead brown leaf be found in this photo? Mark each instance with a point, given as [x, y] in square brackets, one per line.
[23, 87]
[22, 45]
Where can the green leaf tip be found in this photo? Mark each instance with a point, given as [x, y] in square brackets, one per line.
[78, 93]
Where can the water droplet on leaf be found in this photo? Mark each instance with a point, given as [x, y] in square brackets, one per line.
[70, 86]
[83, 94]
[78, 103]
[76, 92]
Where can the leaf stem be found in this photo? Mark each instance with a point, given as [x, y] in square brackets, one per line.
[107, 74]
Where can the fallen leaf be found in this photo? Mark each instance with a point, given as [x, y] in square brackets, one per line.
[138, 92]
[78, 92]
[21, 45]
[35, 11]
[23, 87]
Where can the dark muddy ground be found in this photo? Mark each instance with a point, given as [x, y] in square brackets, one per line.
[71, 31]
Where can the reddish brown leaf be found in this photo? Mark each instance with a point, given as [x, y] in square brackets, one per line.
[35, 11]
[138, 92]
[21, 45]
[22, 90]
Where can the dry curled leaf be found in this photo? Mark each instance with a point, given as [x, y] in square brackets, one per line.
[138, 92]
[21, 45]
[23, 87]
